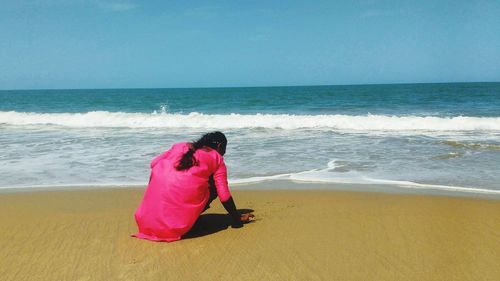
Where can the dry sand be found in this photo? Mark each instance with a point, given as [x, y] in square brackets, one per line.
[299, 235]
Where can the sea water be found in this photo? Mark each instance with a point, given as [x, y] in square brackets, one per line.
[433, 136]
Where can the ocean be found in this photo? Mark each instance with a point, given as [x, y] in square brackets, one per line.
[424, 136]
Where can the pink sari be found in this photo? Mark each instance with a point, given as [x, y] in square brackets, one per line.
[174, 200]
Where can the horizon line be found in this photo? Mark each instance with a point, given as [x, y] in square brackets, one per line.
[235, 87]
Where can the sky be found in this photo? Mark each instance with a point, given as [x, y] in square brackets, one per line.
[58, 44]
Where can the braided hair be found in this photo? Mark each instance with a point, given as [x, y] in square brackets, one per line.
[212, 140]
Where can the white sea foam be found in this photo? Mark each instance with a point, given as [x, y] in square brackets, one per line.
[368, 122]
[318, 176]
[327, 176]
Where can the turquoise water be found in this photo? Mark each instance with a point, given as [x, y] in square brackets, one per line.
[468, 99]
[432, 136]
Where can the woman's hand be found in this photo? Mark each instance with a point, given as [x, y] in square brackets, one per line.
[239, 217]
[244, 218]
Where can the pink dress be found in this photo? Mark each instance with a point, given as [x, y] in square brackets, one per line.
[174, 200]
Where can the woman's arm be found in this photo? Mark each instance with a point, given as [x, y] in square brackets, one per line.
[233, 212]
[220, 180]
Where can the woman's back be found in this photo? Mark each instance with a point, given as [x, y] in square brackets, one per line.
[174, 199]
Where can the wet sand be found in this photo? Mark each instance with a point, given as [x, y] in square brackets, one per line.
[298, 235]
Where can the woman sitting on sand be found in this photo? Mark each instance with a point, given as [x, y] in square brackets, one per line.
[184, 180]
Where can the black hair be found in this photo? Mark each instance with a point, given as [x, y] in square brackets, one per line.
[212, 140]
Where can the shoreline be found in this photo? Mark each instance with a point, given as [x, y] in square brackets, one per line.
[287, 184]
[298, 235]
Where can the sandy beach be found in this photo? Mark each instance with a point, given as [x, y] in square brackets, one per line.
[298, 235]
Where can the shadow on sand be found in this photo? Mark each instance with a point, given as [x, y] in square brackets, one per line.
[211, 223]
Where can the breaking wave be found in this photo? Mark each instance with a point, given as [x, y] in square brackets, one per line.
[96, 119]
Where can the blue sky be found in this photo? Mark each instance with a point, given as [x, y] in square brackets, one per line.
[144, 44]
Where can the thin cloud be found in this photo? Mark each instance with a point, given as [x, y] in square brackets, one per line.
[110, 5]
[202, 12]
[379, 13]
[117, 6]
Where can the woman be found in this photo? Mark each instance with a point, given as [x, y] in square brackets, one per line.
[184, 180]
